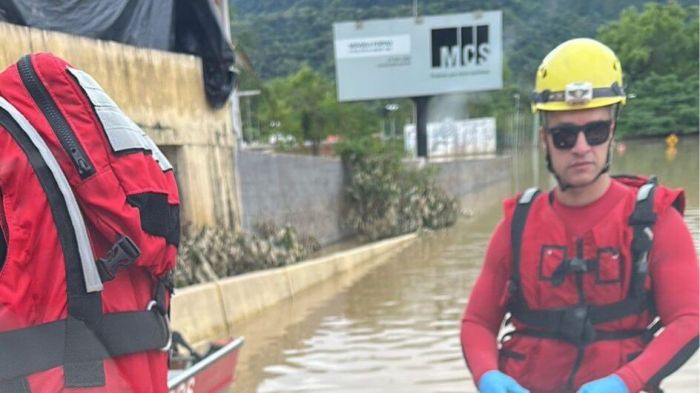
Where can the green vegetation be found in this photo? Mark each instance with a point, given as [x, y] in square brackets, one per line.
[658, 48]
[282, 35]
[304, 105]
[385, 198]
[290, 45]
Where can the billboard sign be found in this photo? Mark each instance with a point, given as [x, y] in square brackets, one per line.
[409, 57]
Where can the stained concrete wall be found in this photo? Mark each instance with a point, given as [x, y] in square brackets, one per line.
[164, 94]
[471, 180]
[307, 192]
[303, 191]
[207, 311]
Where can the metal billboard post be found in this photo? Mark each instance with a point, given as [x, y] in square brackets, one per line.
[421, 107]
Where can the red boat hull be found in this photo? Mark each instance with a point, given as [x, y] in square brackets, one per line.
[212, 374]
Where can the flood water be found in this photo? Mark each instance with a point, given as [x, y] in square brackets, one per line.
[396, 328]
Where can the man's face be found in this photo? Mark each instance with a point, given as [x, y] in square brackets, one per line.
[578, 143]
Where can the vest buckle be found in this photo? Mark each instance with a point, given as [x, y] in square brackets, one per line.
[575, 325]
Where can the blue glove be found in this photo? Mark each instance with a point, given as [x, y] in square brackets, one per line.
[495, 381]
[609, 384]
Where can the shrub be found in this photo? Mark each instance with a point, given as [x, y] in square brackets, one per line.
[385, 198]
[212, 253]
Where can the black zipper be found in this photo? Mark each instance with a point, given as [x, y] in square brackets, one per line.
[60, 126]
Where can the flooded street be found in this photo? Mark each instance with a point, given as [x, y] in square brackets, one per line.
[395, 328]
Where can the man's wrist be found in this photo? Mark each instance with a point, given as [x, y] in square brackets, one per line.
[630, 379]
[478, 381]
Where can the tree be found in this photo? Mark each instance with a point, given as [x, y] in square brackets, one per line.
[664, 104]
[658, 49]
[662, 39]
[312, 103]
[304, 105]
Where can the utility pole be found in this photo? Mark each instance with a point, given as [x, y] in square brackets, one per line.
[516, 131]
[517, 112]
[249, 96]
[391, 109]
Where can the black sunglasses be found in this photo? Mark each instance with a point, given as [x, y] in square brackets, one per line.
[596, 132]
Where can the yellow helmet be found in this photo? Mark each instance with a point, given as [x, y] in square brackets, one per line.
[578, 74]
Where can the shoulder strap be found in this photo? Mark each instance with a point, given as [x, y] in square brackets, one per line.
[84, 307]
[642, 220]
[522, 209]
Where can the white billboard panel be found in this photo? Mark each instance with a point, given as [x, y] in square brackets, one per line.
[409, 57]
[455, 137]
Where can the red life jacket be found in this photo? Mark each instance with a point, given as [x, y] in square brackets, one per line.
[90, 229]
[581, 307]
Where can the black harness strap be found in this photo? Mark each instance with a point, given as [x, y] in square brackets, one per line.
[642, 220]
[522, 208]
[41, 347]
[624, 308]
[17, 385]
[573, 265]
[575, 324]
[601, 335]
[596, 314]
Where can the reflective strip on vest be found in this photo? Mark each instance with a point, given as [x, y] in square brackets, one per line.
[528, 195]
[93, 283]
[122, 132]
[644, 191]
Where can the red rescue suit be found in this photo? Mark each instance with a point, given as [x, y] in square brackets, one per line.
[584, 302]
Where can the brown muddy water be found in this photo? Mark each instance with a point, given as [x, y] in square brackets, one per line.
[395, 328]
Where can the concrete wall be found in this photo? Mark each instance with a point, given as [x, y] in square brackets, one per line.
[164, 94]
[207, 311]
[472, 180]
[304, 191]
[307, 192]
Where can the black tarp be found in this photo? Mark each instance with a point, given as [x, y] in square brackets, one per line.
[183, 26]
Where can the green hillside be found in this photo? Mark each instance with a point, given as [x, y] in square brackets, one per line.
[290, 44]
[281, 35]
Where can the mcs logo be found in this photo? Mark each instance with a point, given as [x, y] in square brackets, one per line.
[460, 46]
